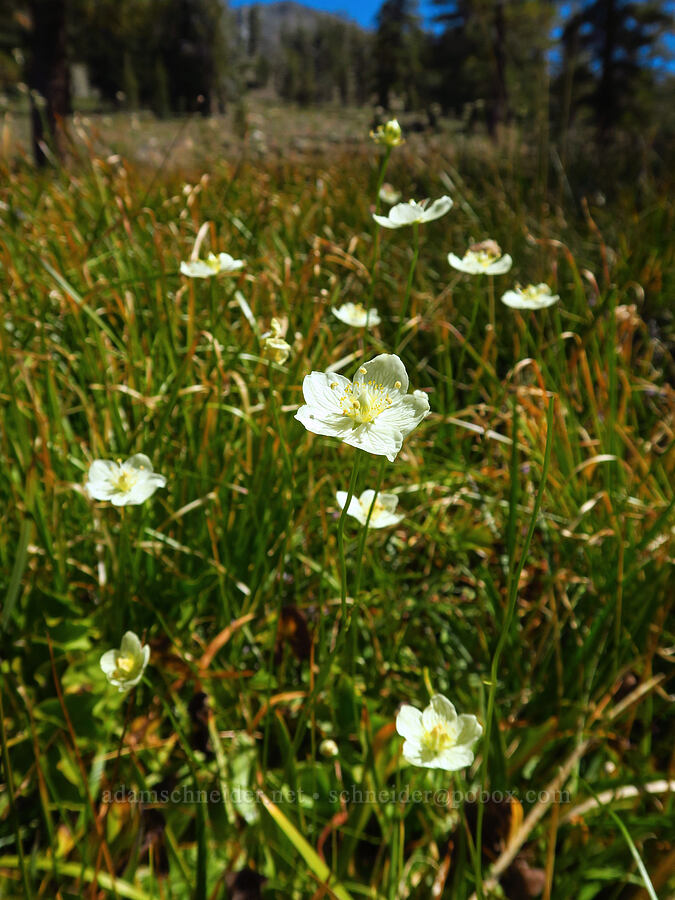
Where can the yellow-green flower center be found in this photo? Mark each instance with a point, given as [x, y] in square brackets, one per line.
[125, 665]
[364, 402]
[483, 257]
[124, 482]
[437, 740]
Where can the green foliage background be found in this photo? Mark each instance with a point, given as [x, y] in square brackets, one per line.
[107, 351]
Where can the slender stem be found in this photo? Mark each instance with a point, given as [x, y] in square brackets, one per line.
[275, 403]
[411, 275]
[122, 575]
[364, 531]
[504, 635]
[352, 625]
[341, 538]
[467, 337]
[103, 813]
[380, 180]
[376, 240]
[491, 300]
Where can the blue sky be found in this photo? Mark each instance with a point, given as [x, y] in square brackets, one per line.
[361, 11]
[364, 12]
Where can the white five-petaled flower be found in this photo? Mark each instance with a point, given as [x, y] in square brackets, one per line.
[534, 296]
[383, 514]
[355, 314]
[412, 213]
[484, 258]
[123, 483]
[124, 667]
[390, 134]
[438, 738]
[389, 194]
[212, 265]
[374, 412]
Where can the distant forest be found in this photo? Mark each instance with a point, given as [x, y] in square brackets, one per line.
[597, 63]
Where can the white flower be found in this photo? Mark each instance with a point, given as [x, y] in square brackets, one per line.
[123, 483]
[328, 748]
[274, 345]
[411, 212]
[390, 134]
[383, 511]
[389, 194]
[534, 296]
[212, 265]
[124, 667]
[373, 412]
[484, 258]
[355, 314]
[438, 738]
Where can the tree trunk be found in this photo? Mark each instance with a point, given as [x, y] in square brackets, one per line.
[49, 77]
[606, 102]
[499, 106]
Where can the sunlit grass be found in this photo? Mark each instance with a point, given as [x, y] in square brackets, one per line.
[232, 574]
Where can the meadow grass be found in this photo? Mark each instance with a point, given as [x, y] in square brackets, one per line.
[530, 581]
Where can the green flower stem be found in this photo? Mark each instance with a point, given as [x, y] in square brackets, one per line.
[352, 625]
[411, 275]
[467, 337]
[380, 180]
[341, 539]
[118, 758]
[364, 531]
[491, 302]
[122, 575]
[274, 404]
[514, 581]
[376, 239]
[325, 671]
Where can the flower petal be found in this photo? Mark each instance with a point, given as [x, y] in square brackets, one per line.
[386, 370]
[437, 209]
[118, 499]
[138, 461]
[500, 266]
[440, 711]
[196, 269]
[326, 423]
[131, 645]
[228, 263]
[382, 518]
[318, 391]
[405, 214]
[144, 488]
[406, 413]
[108, 661]
[389, 501]
[375, 438]
[409, 723]
[385, 221]
[470, 729]
[453, 759]
[355, 508]
[462, 265]
[414, 754]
